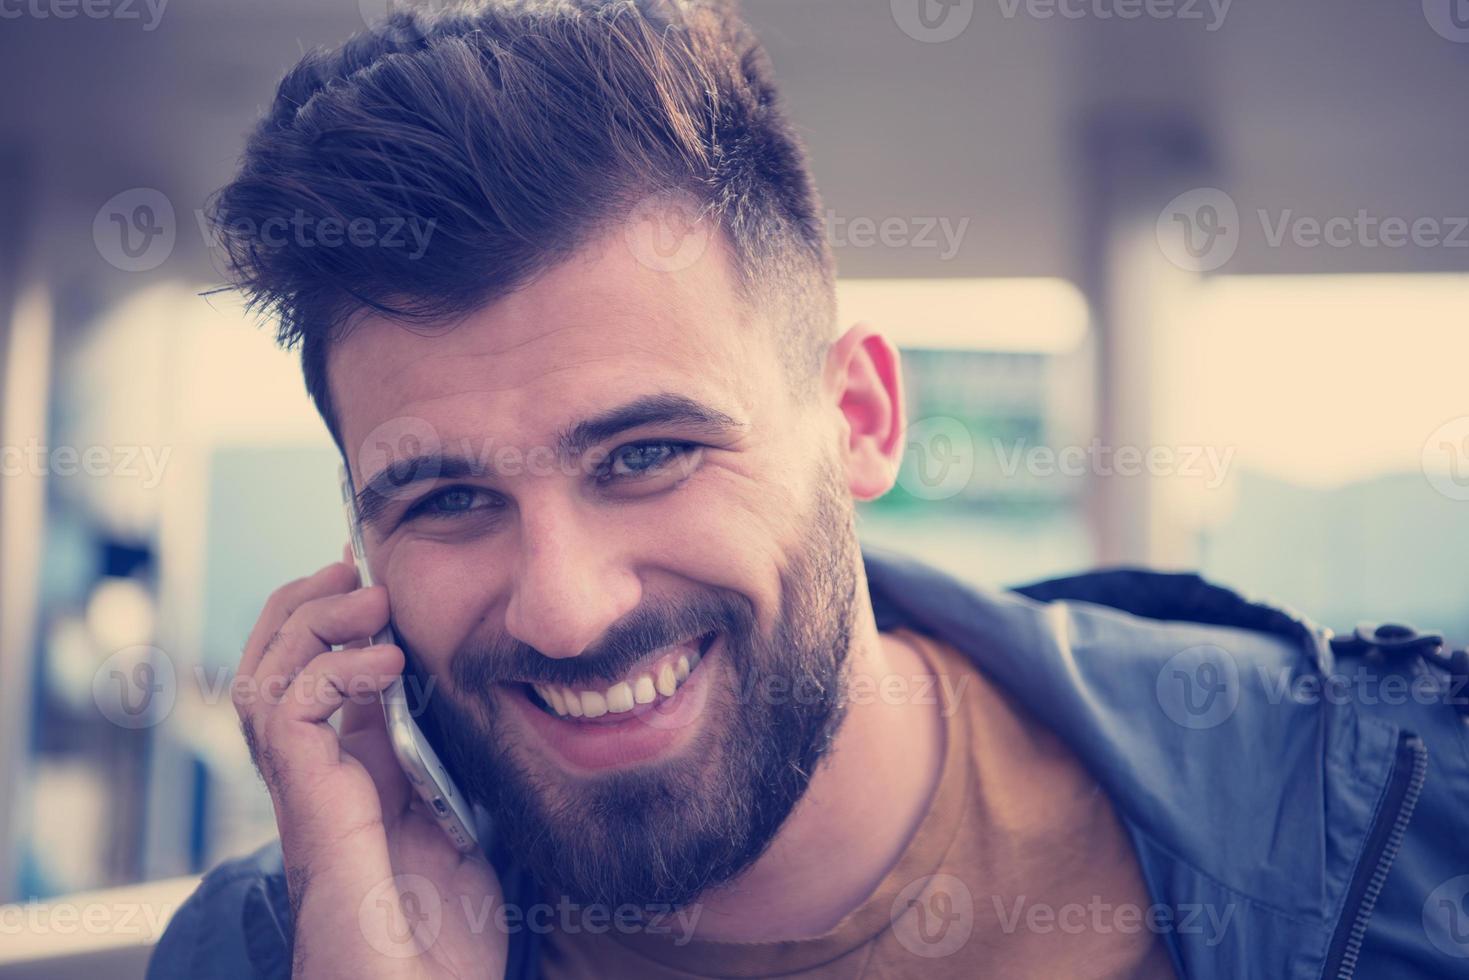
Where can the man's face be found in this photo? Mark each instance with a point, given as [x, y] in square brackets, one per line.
[637, 638]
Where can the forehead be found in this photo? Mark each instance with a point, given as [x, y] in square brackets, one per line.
[596, 331]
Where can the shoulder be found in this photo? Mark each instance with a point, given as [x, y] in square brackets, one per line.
[235, 924]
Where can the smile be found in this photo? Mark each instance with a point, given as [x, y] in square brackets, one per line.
[645, 687]
[648, 713]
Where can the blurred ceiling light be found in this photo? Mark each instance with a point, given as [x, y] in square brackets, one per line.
[1030, 315]
[119, 614]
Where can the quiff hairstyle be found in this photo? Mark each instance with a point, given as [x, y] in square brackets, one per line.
[515, 132]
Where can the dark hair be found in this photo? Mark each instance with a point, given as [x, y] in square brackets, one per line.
[515, 130]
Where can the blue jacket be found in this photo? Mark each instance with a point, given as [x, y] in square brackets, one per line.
[1314, 789]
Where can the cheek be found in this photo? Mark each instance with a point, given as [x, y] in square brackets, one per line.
[730, 531]
[439, 596]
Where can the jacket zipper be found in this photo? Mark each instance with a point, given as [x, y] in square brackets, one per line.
[1410, 768]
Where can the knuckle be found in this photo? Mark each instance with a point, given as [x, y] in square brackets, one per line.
[279, 689]
[270, 732]
[275, 641]
[313, 610]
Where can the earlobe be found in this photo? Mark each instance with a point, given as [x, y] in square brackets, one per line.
[866, 370]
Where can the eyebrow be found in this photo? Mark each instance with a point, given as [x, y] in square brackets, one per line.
[663, 409]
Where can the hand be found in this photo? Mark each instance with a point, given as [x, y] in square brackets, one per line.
[376, 887]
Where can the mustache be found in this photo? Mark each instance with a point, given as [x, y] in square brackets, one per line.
[655, 624]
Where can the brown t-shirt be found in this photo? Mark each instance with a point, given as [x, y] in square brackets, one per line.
[1019, 869]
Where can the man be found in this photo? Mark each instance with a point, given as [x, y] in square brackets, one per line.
[606, 436]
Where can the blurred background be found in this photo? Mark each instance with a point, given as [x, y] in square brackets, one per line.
[1178, 282]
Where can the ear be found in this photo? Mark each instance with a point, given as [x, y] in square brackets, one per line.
[863, 373]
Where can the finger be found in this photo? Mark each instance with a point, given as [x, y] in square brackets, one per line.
[315, 627]
[362, 715]
[288, 731]
[337, 678]
[334, 578]
[349, 558]
[367, 741]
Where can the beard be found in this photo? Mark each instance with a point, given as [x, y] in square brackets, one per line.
[661, 834]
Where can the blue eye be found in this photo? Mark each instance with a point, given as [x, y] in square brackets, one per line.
[644, 458]
[450, 502]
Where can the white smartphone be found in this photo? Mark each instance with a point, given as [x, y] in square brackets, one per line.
[417, 757]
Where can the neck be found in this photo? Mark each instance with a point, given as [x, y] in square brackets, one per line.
[862, 807]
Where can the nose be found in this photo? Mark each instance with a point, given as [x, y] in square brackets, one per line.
[571, 583]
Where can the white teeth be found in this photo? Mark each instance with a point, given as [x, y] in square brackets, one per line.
[624, 695]
[667, 682]
[619, 697]
[593, 705]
